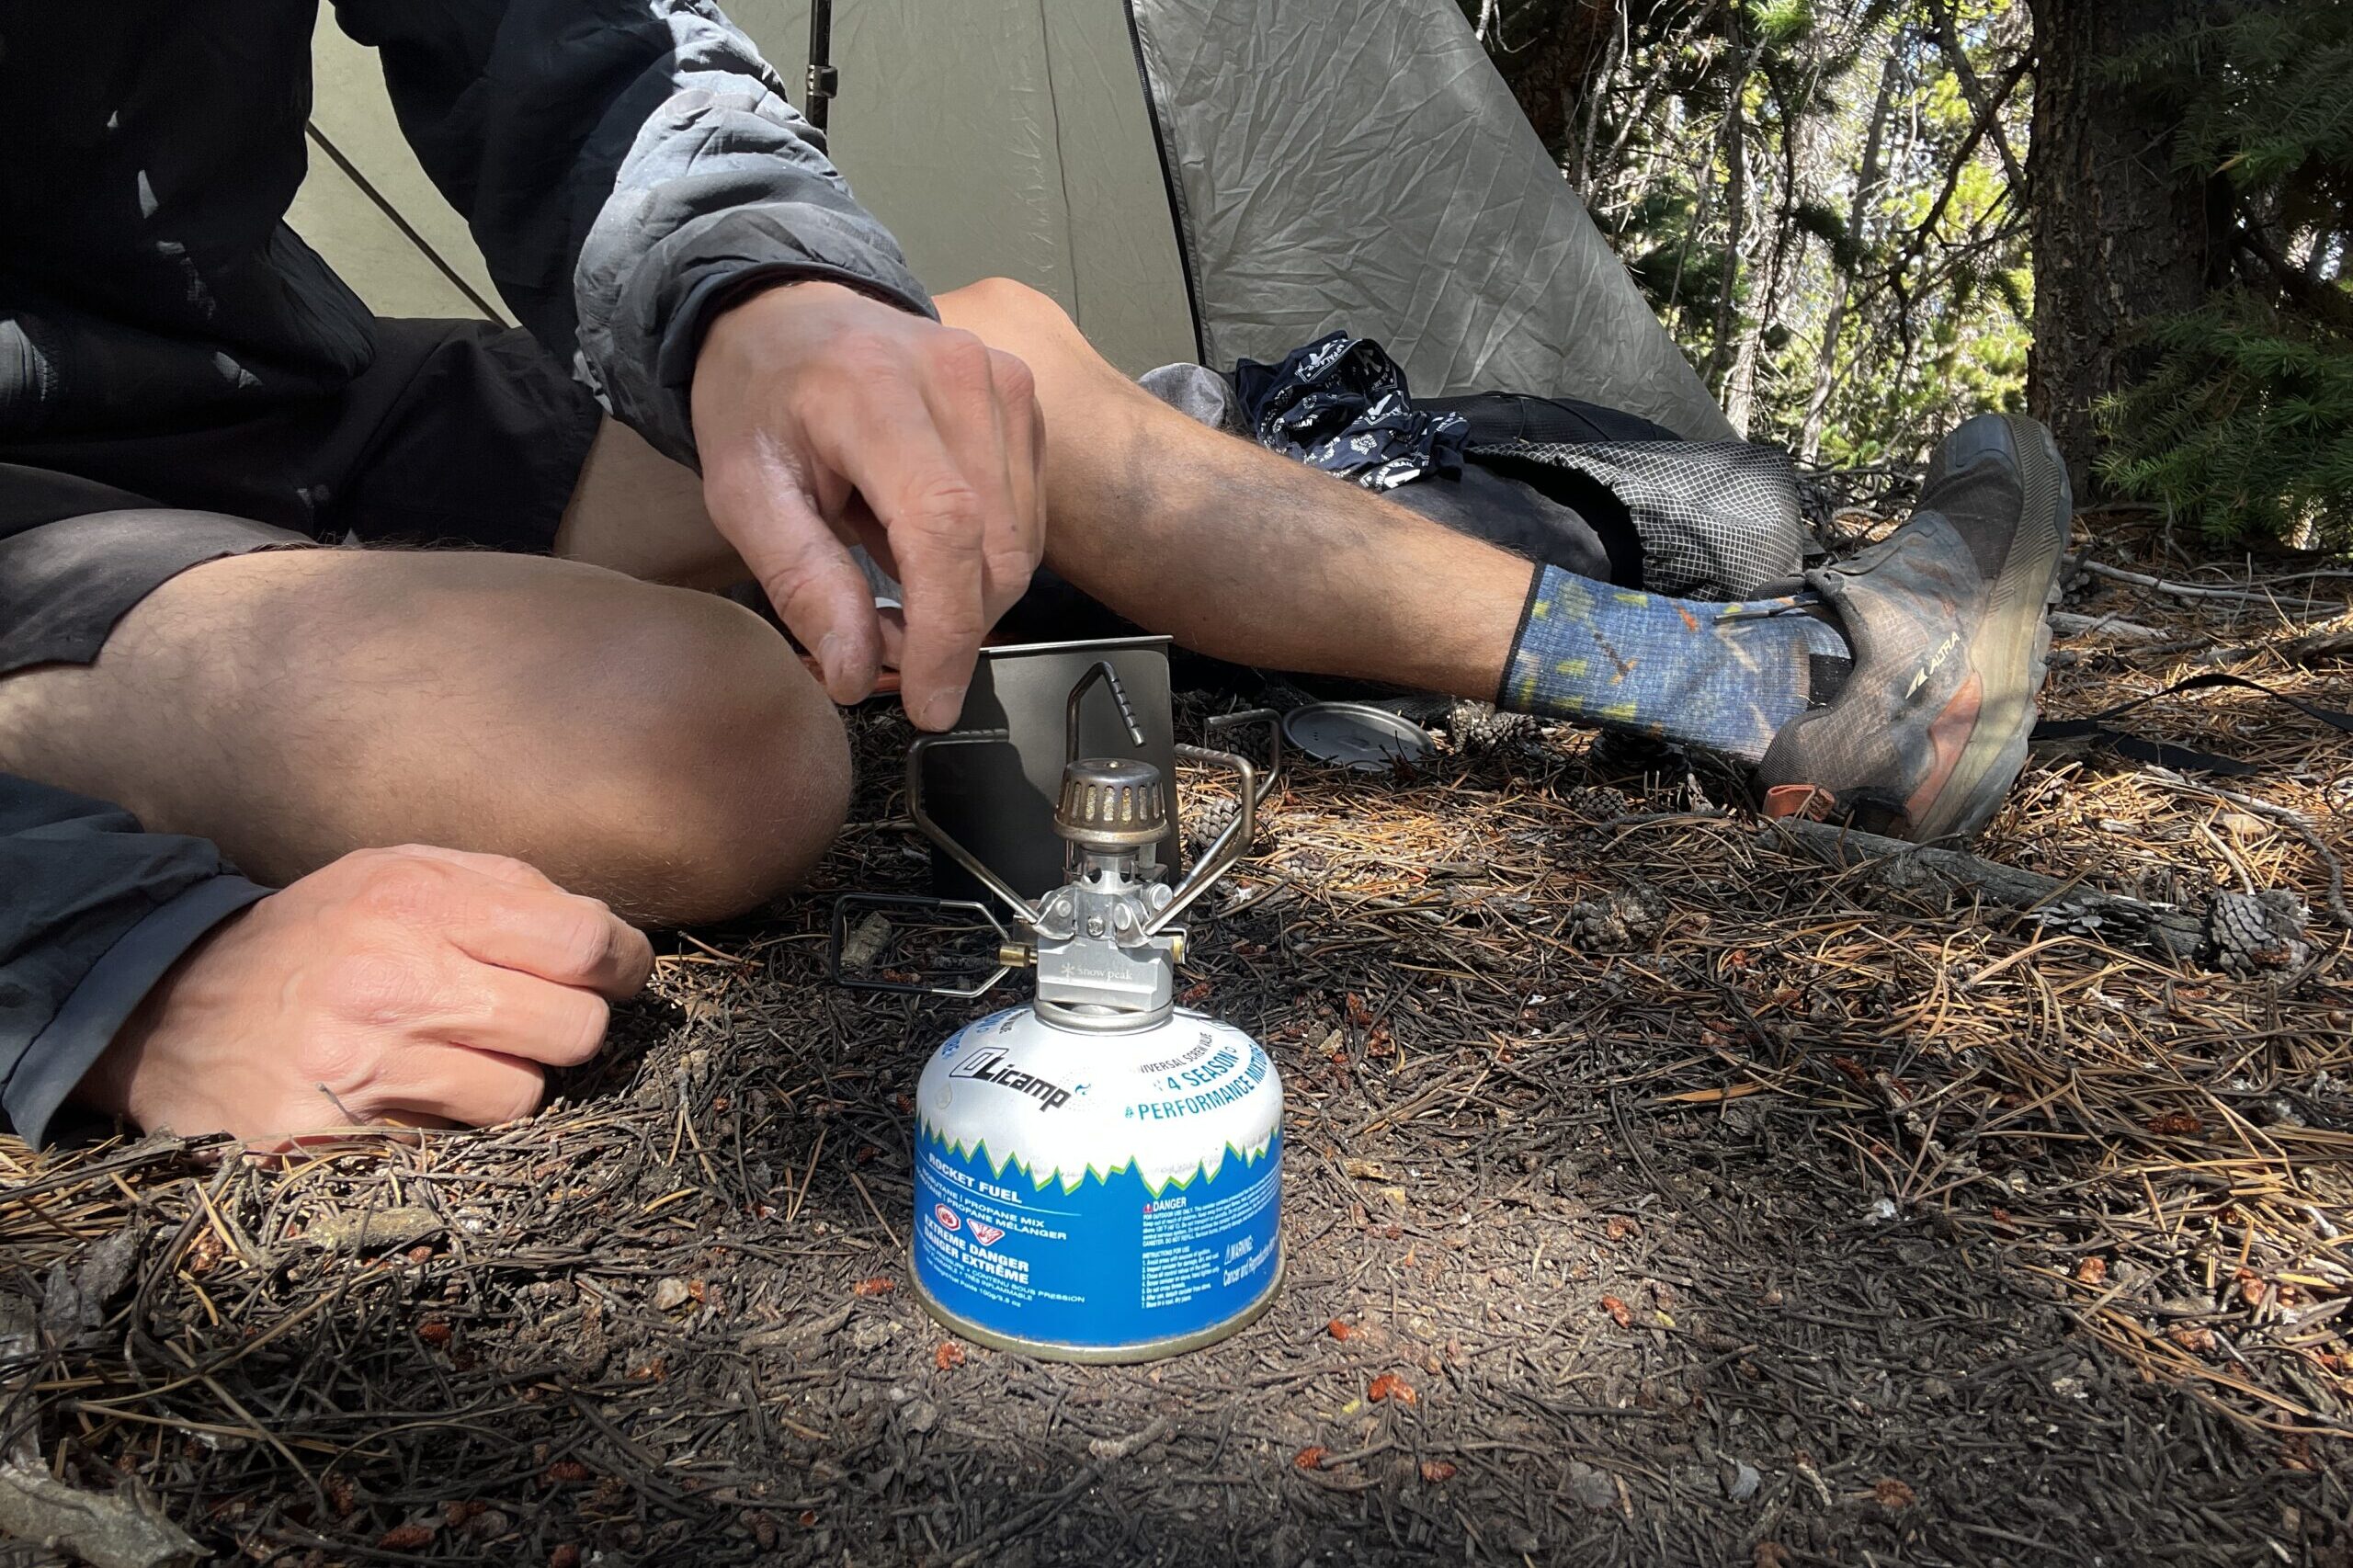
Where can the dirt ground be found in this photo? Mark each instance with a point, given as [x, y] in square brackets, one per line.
[1772, 1213]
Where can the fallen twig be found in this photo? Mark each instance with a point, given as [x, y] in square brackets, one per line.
[2173, 932]
[2255, 593]
[2066, 623]
[2311, 649]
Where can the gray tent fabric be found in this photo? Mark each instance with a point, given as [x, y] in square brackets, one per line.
[1358, 166]
[1007, 138]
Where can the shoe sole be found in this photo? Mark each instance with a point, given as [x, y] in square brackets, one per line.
[1994, 753]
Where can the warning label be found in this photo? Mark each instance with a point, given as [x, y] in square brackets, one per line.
[1107, 1264]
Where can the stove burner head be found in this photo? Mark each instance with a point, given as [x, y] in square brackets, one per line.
[1112, 803]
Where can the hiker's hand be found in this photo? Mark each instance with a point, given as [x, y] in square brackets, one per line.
[416, 985]
[825, 419]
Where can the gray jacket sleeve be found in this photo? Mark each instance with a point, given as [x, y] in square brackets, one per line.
[92, 913]
[624, 164]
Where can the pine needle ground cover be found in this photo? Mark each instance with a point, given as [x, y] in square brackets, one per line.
[1659, 1192]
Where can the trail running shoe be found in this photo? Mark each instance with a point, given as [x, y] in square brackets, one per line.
[1946, 619]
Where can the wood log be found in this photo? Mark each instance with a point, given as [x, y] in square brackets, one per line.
[2175, 933]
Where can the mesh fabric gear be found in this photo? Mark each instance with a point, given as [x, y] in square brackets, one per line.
[1717, 519]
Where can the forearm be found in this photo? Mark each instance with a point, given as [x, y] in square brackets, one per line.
[624, 164]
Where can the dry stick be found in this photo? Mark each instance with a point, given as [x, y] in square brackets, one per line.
[2182, 590]
[2307, 649]
[2172, 932]
[871, 1209]
[2066, 623]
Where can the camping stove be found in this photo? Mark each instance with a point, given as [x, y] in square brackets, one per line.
[1098, 1173]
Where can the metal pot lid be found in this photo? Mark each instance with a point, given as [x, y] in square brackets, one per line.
[1356, 736]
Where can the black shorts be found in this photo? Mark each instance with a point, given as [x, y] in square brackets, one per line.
[461, 433]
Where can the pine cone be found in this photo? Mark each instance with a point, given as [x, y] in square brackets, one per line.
[1626, 918]
[1477, 726]
[2253, 931]
[1209, 816]
[1599, 802]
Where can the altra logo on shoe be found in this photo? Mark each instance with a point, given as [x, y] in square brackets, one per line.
[989, 1067]
[1936, 662]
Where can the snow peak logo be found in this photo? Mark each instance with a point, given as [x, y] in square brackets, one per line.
[989, 1067]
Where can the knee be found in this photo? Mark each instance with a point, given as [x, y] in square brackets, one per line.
[733, 773]
[1007, 300]
[1012, 316]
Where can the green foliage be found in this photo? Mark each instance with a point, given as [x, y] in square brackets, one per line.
[1826, 223]
[1819, 196]
[1785, 24]
[2245, 420]
[2265, 93]
[1860, 318]
[2246, 427]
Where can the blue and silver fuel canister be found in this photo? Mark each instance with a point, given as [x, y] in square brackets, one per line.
[1098, 1174]
[1097, 1195]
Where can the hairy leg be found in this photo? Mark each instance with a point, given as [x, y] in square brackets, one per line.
[1237, 551]
[653, 746]
[1248, 556]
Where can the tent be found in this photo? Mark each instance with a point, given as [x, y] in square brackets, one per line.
[1193, 179]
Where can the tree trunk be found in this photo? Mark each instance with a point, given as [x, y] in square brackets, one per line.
[2119, 239]
[1867, 183]
[1735, 142]
[1740, 395]
[1547, 57]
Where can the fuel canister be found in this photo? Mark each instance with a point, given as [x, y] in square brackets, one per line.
[1097, 1196]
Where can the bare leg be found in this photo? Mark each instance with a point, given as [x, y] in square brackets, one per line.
[657, 747]
[640, 514]
[1237, 551]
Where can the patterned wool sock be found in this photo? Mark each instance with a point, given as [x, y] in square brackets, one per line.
[1718, 676]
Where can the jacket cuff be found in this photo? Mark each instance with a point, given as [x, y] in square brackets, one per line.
[673, 407]
[642, 357]
[725, 292]
[71, 1043]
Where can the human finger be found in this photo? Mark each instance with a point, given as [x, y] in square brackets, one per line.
[460, 1084]
[889, 447]
[965, 384]
[763, 507]
[856, 522]
[519, 1015]
[555, 935]
[890, 617]
[1011, 559]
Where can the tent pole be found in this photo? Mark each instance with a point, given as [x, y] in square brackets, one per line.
[824, 81]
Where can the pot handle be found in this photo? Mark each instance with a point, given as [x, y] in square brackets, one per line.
[1221, 855]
